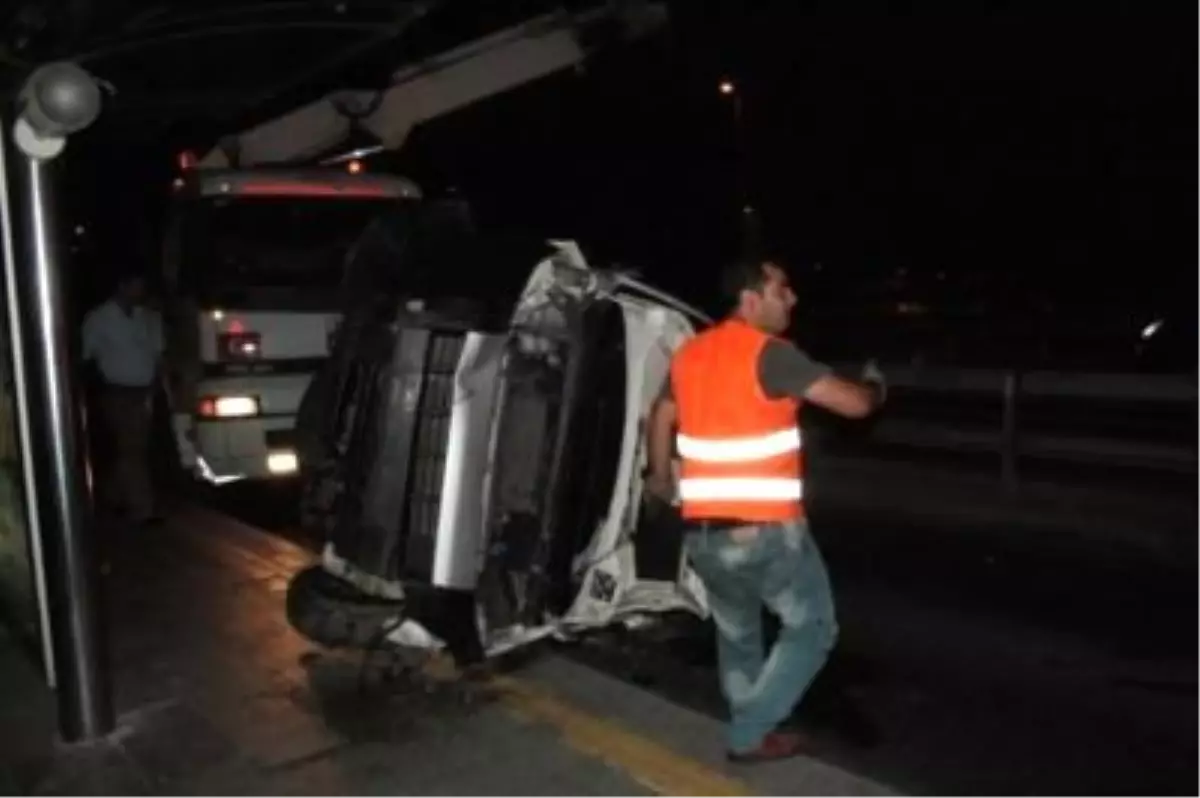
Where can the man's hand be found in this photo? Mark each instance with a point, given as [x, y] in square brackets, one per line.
[873, 377]
[660, 486]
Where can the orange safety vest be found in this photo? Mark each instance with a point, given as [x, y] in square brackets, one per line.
[740, 450]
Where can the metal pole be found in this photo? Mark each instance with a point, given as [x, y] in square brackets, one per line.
[16, 341]
[749, 226]
[739, 153]
[750, 243]
[84, 691]
[1008, 439]
[1195, 405]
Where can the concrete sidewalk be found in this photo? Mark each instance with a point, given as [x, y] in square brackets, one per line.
[217, 695]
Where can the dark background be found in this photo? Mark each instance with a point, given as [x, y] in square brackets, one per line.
[990, 184]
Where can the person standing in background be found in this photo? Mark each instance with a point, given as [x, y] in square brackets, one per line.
[123, 341]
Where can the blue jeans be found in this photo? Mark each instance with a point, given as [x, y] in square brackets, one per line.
[782, 568]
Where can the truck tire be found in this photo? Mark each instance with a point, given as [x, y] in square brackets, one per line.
[332, 613]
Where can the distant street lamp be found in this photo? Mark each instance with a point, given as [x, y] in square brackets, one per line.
[729, 89]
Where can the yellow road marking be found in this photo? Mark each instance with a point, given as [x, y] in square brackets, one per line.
[647, 762]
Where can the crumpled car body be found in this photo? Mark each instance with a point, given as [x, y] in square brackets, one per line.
[477, 472]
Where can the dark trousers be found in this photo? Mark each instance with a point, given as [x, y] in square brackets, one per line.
[126, 481]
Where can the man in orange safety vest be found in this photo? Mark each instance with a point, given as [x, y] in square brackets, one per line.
[731, 411]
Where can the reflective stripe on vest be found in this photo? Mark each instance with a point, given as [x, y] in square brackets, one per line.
[746, 489]
[739, 450]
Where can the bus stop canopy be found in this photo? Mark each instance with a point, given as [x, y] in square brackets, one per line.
[173, 64]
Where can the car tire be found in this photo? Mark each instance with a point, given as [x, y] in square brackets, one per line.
[331, 612]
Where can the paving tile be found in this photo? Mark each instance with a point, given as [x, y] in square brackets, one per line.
[101, 769]
[219, 696]
[228, 778]
[173, 742]
[272, 730]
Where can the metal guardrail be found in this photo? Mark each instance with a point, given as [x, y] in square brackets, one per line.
[1082, 385]
[1004, 397]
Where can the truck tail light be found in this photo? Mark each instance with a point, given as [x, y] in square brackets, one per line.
[228, 407]
[239, 346]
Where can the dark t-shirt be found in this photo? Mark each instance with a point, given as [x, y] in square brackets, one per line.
[785, 370]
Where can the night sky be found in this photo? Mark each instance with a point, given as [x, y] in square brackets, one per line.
[989, 183]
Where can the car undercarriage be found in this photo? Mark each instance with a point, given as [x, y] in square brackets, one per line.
[473, 458]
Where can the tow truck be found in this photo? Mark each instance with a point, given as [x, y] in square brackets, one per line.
[262, 224]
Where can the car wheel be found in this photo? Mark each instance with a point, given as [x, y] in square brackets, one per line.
[329, 611]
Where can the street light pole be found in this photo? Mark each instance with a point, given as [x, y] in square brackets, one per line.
[748, 222]
[19, 371]
[58, 100]
[729, 90]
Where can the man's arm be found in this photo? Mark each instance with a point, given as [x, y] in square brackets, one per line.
[659, 436]
[785, 370]
[158, 341]
[92, 342]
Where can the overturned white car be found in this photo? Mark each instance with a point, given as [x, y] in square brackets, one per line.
[475, 464]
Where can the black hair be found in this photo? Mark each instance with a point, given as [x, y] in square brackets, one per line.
[126, 276]
[748, 273]
[743, 274]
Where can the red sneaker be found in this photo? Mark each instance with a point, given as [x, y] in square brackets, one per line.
[776, 745]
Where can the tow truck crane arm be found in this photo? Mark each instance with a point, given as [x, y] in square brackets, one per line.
[438, 85]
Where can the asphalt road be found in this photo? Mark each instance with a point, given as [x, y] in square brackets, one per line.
[961, 668]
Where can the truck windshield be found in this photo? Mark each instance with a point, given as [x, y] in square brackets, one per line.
[288, 247]
[438, 254]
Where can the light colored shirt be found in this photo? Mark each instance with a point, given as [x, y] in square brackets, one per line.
[125, 346]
